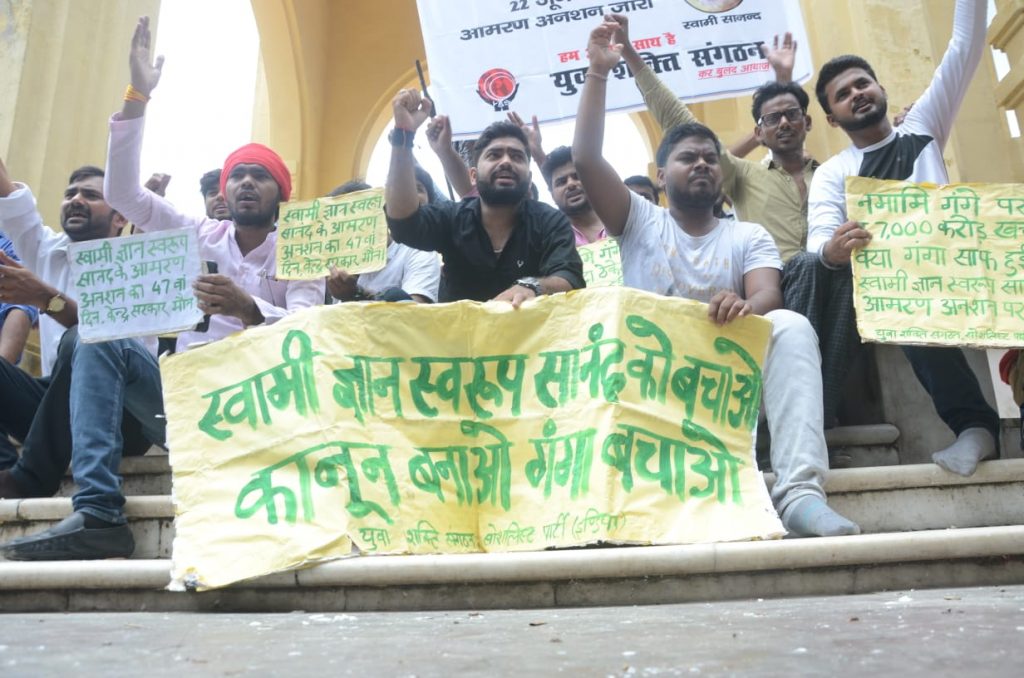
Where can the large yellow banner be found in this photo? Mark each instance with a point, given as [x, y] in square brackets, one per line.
[601, 415]
[945, 264]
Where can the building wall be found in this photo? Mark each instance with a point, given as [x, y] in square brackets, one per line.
[64, 71]
[337, 66]
[1007, 34]
[65, 68]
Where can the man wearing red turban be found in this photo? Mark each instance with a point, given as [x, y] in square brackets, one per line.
[243, 293]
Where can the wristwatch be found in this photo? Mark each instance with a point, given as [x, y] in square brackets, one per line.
[56, 304]
[530, 284]
[401, 137]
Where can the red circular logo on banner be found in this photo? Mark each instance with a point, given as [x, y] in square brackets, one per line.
[497, 87]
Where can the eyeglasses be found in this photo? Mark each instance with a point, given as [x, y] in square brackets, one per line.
[794, 114]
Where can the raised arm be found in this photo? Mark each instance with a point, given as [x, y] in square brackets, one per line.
[439, 136]
[782, 58]
[533, 137]
[664, 105]
[122, 187]
[607, 194]
[669, 111]
[145, 73]
[937, 107]
[410, 111]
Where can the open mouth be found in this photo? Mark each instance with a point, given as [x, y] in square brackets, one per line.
[862, 106]
[76, 217]
[504, 178]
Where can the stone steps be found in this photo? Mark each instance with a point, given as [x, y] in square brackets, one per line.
[923, 528]
[149, 474]
[886, 499]
[862, 446]
[578, 577]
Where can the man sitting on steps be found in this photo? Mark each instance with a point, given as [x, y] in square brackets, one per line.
[733, 266]
[96, 403]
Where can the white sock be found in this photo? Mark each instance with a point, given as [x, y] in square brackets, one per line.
[810, 516]
[971, 446]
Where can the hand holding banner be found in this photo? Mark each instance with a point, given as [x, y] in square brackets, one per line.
[945, 265]
[135, 286]
[464, 427]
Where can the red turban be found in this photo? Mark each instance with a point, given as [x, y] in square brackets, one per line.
[258, 154]
[1008, 362]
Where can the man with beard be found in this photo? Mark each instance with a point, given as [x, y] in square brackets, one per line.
[819, 284]
[500, 245]
[95, 402]
[567, 192]
[254, 181]
[773, 195]
[733, 266]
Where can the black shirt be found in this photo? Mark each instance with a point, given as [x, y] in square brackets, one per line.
[541, 244]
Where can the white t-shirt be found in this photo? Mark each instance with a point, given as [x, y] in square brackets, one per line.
[912, 151]
[660, 257]
[415, 271]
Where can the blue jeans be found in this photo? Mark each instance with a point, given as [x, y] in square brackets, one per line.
[37, 412]
[108, 380]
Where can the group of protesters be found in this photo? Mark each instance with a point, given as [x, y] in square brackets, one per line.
[783, 254]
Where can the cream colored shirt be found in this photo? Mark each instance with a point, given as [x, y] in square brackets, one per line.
[761, 194]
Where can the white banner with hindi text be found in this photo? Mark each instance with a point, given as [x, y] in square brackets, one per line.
[488, 57]
[135, 286]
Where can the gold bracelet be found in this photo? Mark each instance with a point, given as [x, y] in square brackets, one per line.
[597, 75]
[132, 94]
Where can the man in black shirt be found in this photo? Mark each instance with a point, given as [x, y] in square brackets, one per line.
[500, 246]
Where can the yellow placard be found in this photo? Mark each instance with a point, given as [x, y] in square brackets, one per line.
[349, 231]
[945, 264]
[600, 415]
[602, 263]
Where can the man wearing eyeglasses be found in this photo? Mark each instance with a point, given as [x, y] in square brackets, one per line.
[773, 195]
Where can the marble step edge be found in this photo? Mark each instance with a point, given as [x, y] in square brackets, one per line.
[862, 436]
[591, 564]
[909, 476]
[58, 508]
[151, 463]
